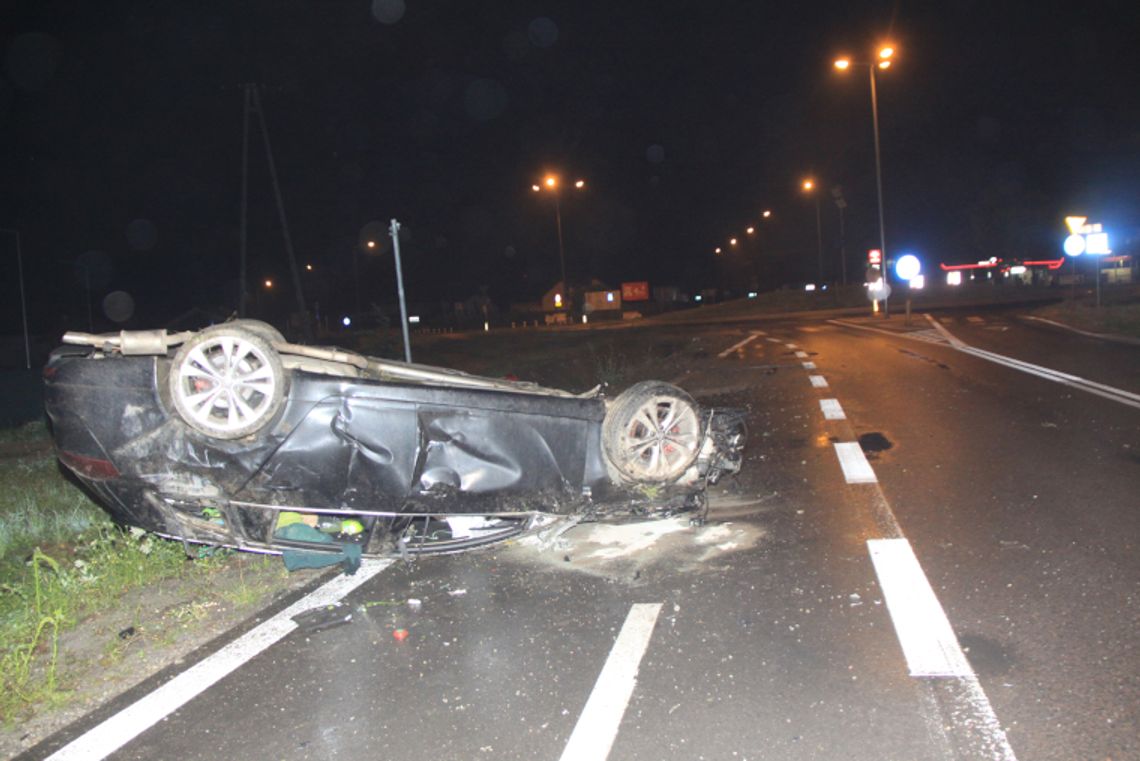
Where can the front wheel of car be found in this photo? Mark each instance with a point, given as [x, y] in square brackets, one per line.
[652, 432]
[227, 382]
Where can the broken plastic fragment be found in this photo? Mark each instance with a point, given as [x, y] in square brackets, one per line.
[326, 617]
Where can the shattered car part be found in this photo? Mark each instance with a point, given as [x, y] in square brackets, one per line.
[226, 435]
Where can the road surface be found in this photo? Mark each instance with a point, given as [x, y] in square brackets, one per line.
[930, 554]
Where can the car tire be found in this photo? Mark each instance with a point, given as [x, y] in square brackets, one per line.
[227, 382]
[263, 329]
[652, 433]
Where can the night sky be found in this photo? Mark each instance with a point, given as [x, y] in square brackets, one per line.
[121, 133]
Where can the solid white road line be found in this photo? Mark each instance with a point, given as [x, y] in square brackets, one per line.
[738, 345]
[1071, 329]
[1092, 387]
[831, 409]
[924, 632]
[856, 469]
[597, 727]
[818, 381]
[809, 365]
[104, 739]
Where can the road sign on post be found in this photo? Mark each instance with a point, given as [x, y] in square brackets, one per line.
[1088, 239]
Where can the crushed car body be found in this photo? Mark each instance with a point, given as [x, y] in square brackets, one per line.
[231, 435]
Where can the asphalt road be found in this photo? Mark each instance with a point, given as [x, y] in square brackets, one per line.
[797, 624]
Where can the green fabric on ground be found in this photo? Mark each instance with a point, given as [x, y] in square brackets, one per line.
[349, 554]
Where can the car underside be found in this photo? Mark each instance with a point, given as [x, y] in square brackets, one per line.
[233, 436]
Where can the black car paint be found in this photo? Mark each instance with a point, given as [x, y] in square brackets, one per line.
[352, 445]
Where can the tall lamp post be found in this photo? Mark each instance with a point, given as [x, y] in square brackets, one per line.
[884, 62]
[23, 300]
[551, 184]
[841, 204]
[809, 188]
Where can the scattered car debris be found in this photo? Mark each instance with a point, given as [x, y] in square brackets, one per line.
[325, 617]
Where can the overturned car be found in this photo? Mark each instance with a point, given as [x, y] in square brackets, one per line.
[231, 435]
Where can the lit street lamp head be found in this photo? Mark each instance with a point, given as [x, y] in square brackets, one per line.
[809, 185]
[843, 64]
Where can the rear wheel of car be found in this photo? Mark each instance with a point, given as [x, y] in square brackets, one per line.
[263, 329]
[227, 382]
[652, 432]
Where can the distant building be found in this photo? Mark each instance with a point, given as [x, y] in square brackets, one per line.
[556, 299]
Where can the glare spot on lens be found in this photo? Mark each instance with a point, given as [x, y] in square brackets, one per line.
[388, 11]
[484, 99]
[542, 32]
[118, 306]
[142, 235]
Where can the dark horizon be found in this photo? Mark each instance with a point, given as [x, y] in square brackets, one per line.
[122, 135]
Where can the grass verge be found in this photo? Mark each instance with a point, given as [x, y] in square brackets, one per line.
[64, 566]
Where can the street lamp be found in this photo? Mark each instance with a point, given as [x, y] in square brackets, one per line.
[809, 188]
[883, 61]
[551, 184]
[841, 204]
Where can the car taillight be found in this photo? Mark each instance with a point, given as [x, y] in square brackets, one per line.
[89, 467]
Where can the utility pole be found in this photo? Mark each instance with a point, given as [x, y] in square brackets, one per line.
[243, 298]
[253, 102]
[23, 300]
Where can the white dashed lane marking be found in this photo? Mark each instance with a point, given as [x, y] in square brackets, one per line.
[927, 639]
[801, 355]
[831, 409]
[925, 635]
[818, 381]
[856, 469]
